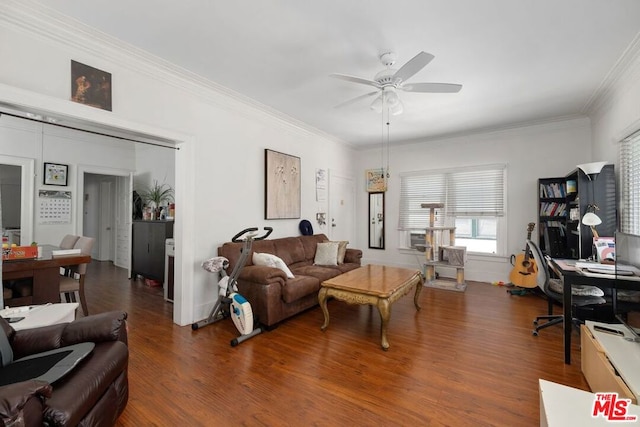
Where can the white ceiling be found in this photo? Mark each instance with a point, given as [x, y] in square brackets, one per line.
[519, 61]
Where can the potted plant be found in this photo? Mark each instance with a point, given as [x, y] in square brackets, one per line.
[155, 195]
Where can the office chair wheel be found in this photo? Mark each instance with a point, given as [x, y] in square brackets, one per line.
[535, 323]
[534, 333]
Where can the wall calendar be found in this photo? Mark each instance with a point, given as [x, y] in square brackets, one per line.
[54, 207]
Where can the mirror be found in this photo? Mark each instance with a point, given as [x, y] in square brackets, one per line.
[376, 220]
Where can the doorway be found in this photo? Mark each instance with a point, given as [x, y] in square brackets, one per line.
[106, 213]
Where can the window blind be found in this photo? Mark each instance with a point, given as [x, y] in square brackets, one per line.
[465, 193]
[476, 193]
[630, 184]
[416, 190]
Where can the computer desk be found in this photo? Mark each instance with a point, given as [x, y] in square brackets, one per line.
[575, 276]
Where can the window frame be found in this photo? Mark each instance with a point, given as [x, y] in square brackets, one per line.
[448, 219]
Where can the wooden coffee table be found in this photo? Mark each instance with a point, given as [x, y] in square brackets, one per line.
[377, 285]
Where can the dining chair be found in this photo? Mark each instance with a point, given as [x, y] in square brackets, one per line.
[72, 284]
[68, 241]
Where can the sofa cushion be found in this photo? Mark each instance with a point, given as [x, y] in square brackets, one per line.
[299, 287]
[290, 250]
[326, 253]
[322, 273]
[261, 246]
[348, 266]
[271, 260]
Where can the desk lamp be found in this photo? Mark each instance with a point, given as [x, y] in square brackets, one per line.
[590, 219]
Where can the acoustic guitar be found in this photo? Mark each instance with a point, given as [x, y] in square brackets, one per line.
[525, 271]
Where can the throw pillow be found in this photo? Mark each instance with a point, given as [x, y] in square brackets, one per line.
[270, 260]
[342, 250]
[326, 253]
[578, 290]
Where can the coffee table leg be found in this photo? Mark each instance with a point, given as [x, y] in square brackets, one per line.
[416, 297]
[385, 313]
[322, 299]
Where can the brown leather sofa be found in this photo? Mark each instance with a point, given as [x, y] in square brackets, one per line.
[94, 393]
[273, 296]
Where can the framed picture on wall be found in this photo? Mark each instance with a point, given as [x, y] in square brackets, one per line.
[55, 174]
[90, 86]
[375, 180]
[282, 186]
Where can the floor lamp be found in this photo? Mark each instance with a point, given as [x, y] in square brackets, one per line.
[590, 218]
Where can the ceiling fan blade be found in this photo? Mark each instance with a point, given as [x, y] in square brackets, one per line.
[431, 87]
[414, 65]
[357, 98]
[354, 79]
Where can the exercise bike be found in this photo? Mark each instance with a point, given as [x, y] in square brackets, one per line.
[230, 303]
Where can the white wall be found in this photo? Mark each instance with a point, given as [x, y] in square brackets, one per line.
[618, 112]
[219, 179]
[544, 150]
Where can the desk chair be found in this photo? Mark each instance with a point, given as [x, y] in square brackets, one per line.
[552, 288]
[72, 283]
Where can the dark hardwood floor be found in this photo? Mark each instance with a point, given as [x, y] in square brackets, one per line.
[466, 359]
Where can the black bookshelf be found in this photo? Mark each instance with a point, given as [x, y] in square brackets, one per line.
[562, 201]
[552, 216]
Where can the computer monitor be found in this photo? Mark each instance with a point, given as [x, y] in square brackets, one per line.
[627, 301]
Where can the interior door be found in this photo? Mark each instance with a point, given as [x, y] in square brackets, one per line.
[342, 207]
[105, 231]
[124, 190]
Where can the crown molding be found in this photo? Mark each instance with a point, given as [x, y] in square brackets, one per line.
[46, 24]
[558, 122]
[627, 66]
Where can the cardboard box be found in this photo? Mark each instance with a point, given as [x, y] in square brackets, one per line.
[19, 252]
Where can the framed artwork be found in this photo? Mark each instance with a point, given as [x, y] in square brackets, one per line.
[90, 86]
[282, 186]
[375, 180]
[55, 174]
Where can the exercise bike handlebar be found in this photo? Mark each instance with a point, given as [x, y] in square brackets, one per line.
[252, 230]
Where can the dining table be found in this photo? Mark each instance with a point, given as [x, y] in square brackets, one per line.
[44, 272]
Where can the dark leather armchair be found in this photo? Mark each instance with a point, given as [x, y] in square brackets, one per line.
[94, 393]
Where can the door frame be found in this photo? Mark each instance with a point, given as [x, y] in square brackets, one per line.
[333, 177]
[96, 170]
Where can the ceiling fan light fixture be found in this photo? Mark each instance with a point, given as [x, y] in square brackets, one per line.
[397, 109]
[391, 96]
[376, 105]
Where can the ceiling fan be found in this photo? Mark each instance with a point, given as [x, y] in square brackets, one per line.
[388, 81]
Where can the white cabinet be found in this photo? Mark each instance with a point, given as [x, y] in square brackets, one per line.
[609, 361]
